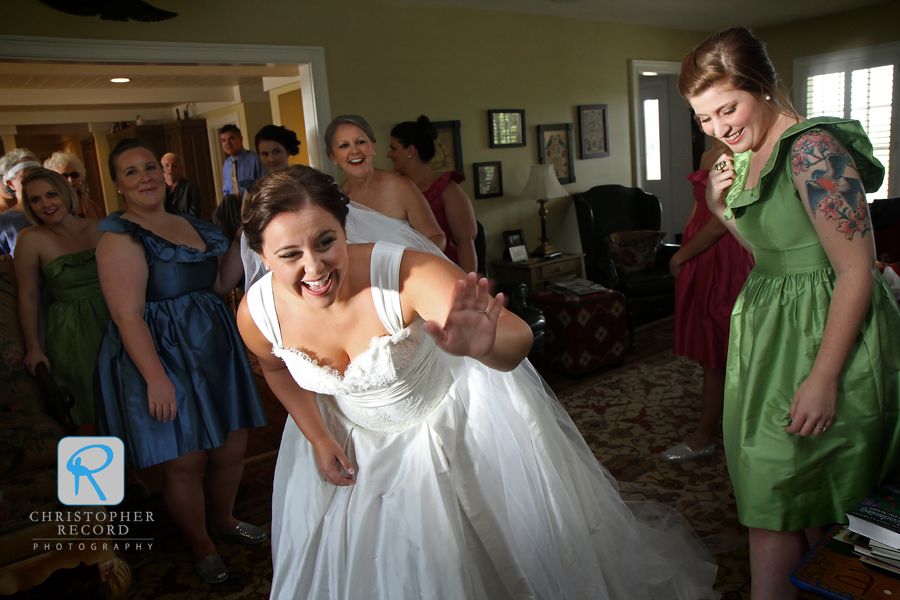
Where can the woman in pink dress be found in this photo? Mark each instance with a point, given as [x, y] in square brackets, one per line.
[412, 148]
[710, 269]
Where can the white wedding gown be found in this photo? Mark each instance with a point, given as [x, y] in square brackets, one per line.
[472, 484]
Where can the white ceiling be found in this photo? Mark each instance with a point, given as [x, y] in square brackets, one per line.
[692, 15]
[45, 93]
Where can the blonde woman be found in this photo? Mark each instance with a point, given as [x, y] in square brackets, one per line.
[58, 253]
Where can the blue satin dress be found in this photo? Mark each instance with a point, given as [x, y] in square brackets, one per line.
[198, 344]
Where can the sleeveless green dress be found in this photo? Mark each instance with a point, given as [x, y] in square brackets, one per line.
[75, 325]
[783, 481]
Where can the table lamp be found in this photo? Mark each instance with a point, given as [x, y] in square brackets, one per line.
[542, 186]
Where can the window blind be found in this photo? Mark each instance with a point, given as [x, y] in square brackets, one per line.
[857, 84]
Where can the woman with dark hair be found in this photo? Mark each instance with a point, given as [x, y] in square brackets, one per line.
[275, 143]
[174, 380]
[812, 393]
[58, 253]
[350, 142]
[412, 148]
[423, 456]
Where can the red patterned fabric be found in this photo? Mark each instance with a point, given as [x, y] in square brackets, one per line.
[435, 197]
[583, 332]
[707, 287]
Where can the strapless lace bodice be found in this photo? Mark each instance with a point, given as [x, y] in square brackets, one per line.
[394, 384]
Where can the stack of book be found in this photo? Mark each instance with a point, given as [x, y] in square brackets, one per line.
[874, 529]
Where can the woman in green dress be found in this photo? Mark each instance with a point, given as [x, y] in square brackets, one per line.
[812, 387]
[58, 252]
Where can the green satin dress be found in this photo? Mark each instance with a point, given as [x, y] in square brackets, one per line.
[783, 481]
[75, 325]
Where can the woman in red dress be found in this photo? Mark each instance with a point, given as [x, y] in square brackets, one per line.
[710, 269]
[412, 148]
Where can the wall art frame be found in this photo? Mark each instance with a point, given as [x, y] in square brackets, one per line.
[556, 145]
[506, 128]
[448, 148]
[593, 126]
[488, 179]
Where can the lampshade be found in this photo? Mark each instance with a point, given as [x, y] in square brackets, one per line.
[542, 184]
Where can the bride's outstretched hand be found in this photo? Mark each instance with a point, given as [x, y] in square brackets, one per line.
[471, 326]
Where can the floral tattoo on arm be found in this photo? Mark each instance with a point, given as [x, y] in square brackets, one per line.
[839, 198]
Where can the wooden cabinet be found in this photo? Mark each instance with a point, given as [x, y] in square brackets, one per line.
[94, 176]
[151, 134]
[189, 140]
[536, 271]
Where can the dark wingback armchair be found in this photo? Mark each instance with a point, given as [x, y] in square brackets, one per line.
[607, 209]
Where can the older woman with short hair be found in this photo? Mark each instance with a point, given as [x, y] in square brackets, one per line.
[13, 220]
[69, 166]
[350, 142]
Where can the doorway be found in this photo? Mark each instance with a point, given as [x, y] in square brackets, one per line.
[309, 75]
[663, 142]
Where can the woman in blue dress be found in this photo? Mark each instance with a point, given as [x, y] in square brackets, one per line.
[173, 380]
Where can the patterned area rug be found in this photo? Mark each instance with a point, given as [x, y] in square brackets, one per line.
[627, 415]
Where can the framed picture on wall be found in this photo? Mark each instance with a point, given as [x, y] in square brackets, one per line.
[506, 128]
[447, 148]
[593, 124]
[488, 179]
[556, 145]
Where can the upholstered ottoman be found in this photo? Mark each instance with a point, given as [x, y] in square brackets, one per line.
[583, 332]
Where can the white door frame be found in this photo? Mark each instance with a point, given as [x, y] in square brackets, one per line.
[310, 58]
[636, 68]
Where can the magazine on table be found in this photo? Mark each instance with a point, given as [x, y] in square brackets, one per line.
[575, 286]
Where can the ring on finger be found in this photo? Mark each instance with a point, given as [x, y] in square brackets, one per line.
[721, 166]
[484, 312]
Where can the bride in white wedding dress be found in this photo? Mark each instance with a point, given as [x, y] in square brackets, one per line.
[435, 463]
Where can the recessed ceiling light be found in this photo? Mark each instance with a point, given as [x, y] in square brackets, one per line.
[649, 73]
[120, 80]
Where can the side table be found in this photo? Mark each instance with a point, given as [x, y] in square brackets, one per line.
[583, 332]
[536, 271]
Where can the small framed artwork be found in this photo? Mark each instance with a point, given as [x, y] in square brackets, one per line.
[593, 123]
[556, 145]
[515, 245]
[488, 179]
[447, 148]
[506, 128]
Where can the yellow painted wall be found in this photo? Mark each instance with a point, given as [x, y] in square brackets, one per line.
[391, 62]
[258, 115]
[289, 106]
[854, 29]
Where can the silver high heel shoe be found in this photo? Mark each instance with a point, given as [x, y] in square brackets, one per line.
[683, 453]
[244, 533]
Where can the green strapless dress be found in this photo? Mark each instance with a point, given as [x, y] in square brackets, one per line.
[75, 325]
[783, 481]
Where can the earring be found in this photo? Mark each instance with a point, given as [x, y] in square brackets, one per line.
[409, 156]
[768, 97]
